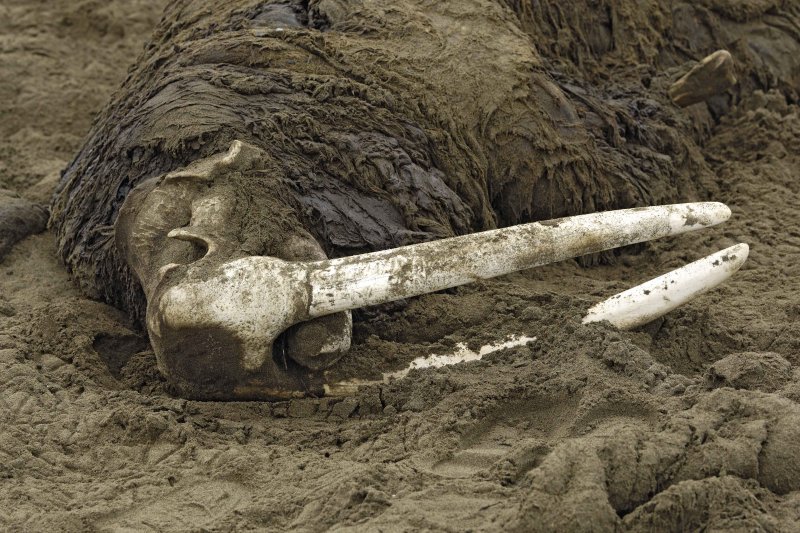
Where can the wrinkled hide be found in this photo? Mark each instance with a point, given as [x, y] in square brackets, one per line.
[386, 126]
[380, 125]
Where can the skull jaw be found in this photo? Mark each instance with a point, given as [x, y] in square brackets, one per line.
[319, 343]
[203, 360]
[206, 364]
[213, 329]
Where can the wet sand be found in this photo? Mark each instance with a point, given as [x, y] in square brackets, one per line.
[691, 422]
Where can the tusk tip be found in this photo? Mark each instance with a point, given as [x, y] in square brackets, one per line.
[735, 256]
[696, 215]
[708, 213]
[723, 212]
[723, 209]
[657, 297]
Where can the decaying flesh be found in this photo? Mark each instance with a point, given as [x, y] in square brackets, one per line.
[213, 322]
[253, 132]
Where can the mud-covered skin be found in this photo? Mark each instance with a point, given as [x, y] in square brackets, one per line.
[387, 125]
[379, 126]
[18, 219]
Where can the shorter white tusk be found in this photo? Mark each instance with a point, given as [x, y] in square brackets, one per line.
[659, 296]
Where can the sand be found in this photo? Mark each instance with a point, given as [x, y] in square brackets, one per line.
[689, 423]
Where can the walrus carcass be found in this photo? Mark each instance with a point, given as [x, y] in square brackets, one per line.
[323, 129]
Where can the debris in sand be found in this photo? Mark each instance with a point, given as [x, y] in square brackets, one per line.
[710, 77]
[763, 371]
[461, 354]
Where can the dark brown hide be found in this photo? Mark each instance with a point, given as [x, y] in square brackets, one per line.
[18, 219]
[389, 123]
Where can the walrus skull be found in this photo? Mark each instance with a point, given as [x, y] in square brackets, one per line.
[214, 313]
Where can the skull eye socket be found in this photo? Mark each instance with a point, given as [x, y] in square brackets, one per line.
[201, 245]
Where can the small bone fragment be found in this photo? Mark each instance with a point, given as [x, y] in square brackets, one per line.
[461, 354]
[711, 76]
[650, 300]
[240, 156]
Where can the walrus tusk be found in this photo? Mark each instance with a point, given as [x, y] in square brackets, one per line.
[650, 300]
[370, 279]
[256, 298]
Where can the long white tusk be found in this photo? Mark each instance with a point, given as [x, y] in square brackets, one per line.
[375, 278]
[648, 301]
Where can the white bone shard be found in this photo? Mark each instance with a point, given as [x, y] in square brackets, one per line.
[648, 301]
[461, 354]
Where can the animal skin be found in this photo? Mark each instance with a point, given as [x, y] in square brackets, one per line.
[372, 125]
[383, 126]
